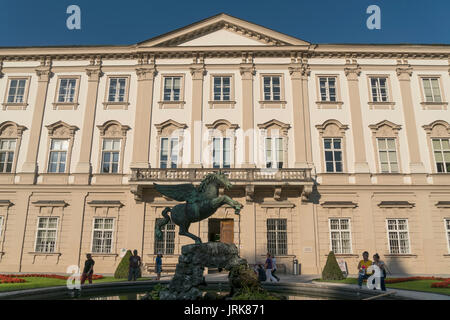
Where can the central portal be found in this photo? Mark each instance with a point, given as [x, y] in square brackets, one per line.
[221, 230]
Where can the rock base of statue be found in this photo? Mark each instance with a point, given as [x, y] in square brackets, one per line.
[191, 264]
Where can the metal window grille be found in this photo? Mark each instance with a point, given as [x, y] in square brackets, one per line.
[46, 234]
[167, 244]
[102, 237]
[398, 236]
[340, 236]
[277, 236]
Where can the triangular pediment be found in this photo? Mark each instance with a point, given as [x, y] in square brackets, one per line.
[222, 30]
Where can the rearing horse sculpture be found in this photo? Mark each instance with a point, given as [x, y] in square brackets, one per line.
[201, 203]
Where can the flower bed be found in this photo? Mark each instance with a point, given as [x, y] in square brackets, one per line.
[397, 280]
[16, 278]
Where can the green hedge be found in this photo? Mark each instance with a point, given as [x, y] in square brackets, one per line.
[331, 271]
[123, 267]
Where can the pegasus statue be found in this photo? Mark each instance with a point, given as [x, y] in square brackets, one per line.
[201, 203]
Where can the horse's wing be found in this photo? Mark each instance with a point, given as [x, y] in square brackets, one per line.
[179, 192]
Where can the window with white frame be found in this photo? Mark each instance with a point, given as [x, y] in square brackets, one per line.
[7, 149]
[447, 229]
[222, 88]
[379, 89]
[388, 155]
[167, 244]
[110, 155]
[441, 150]
[277, 236]
[327, 89]
[221, 152]
[117, 89]
[102, 235]
[333, 154]
[431, 90]
[46, 234]
[16, 92]
[169, 153]
[172, 88]
[398, 236]
[67, 88]
[340, 236]
[274, 152]
[58, 155]
[272, 88]
[1, 226]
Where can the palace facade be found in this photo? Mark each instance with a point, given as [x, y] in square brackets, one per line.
[328, 146]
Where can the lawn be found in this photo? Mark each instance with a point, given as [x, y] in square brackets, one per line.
[37, 282]
[416, 285]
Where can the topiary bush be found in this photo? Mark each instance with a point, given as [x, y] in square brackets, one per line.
[123, 267]
[331, 271]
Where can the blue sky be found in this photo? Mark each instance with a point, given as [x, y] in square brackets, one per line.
[43, 22]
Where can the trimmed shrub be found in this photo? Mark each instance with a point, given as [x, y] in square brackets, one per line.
[123, 267]
[331, 271]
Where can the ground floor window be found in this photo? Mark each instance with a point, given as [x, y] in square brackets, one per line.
[340, 236]
[167, 244]
[398, 235]
[447, 228]
[102, 236]
[46, 234]
[277, 236]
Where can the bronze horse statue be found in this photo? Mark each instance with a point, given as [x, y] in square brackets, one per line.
[201, 203]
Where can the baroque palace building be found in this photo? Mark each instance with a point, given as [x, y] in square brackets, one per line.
[339, 147]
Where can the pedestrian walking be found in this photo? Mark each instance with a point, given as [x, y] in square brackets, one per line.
[88, 270]
[158, 266]
[135, 266]
[268, 267]
[274, 267]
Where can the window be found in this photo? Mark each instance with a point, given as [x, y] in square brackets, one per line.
[169, 157]
[16, 92]
[7, 148]
[379, 89]
[102, 235]
[172, 88]
[110, 155]
[388, 155]
[441, 148]
[221, 153]
[327, 88]
[58, 155]
[1, 226]
[222, 89]
[341, 242]
[277, 236]
[272, 88]
[333, 154]
[46, 234]
[167, 244]
[117, 89]
[447, 228]
[274, 153]
[67, 88]
[431, 90]
[398, 236]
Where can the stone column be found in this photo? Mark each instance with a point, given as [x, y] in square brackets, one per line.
[404, 72]
[247, 69]
[29, 169]
[352, 71]
[142, 124]
[299, 72]
[198, 72]
[84, 168]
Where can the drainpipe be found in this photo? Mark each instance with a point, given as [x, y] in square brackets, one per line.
[24, 231]
[82, 227]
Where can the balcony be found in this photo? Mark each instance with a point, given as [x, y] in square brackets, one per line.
[247, 177]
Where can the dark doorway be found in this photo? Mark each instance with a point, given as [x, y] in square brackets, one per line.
[221, 230]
